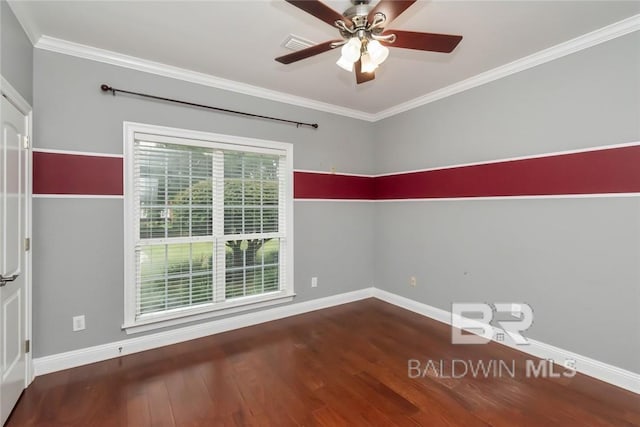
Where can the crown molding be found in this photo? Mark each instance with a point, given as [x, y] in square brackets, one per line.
[577, 44]
[118, 59]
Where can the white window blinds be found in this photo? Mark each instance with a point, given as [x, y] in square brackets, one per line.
[174, 252]
[210, 225]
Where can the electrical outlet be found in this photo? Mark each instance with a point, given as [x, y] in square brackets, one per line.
[78, 323]
[413, 281]
[314, 282]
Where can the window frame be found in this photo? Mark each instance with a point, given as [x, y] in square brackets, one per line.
[209, 140]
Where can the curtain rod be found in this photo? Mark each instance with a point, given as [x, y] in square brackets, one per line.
[107, 88]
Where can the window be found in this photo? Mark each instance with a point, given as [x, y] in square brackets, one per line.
[207, 225]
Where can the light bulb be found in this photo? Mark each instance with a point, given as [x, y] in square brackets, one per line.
[351, 50]
[350, 54]
[368, 66]
[345, 64]
[377, 52]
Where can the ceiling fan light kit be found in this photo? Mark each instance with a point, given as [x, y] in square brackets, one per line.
[377, 51]
[364, 36]
[366, 63]
[350, 54]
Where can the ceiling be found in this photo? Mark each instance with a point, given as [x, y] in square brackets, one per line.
[239, 39]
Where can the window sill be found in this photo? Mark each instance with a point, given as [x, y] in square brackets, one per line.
[195, 314]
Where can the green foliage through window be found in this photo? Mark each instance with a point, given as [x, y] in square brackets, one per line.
[177, 201]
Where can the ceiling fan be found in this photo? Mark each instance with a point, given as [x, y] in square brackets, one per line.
[364, 35]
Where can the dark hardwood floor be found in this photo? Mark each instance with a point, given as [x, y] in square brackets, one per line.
[346, 365]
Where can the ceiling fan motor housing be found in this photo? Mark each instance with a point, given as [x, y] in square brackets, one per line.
[358, 14]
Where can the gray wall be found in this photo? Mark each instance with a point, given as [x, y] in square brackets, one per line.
[576, 261]
[78, 243]
[17, 53]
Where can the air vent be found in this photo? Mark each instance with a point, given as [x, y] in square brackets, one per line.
[296, 43]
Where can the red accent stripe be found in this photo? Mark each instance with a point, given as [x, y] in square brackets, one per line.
[593, 172]
[309, 185]
[615, 170]
[55, 173]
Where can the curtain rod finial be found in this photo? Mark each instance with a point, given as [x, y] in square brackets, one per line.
[105, 87]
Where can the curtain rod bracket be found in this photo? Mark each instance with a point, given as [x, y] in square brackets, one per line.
[107, 88]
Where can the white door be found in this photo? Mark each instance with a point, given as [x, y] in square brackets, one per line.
[13, 167]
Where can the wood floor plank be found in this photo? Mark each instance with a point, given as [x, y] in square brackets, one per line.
[159, 404]
[351, 405]
[345, 365]
[138, 411]
[328, 417]
[438, 403]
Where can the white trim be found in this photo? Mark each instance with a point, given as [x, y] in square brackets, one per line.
[77, 153]
[334, 173]
[118, 59]
[133, 128]
[605, 372]
[77, 196]
[198, 135]
[452, 199]
[550, 196]
[577, 44]
[484, 162]
[145, 132]
[153, 323]
[434, 199]
[211, 140]
[74, 358]
[585, 365]
[129, 221]
[29, 269]
[513, 159]
[71, 359]
[14, 96]
[337, 200]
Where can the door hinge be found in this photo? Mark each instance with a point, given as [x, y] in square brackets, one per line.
[25, 142]
[27, 346]
[27, 244]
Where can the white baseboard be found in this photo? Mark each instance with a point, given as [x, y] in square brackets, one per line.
[611, 374]
[74, 358]
[57, 362]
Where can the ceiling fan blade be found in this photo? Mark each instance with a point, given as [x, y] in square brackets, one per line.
[360, 76]
[391, 9]
[320, 11]
[424, 41]
[306, 53]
